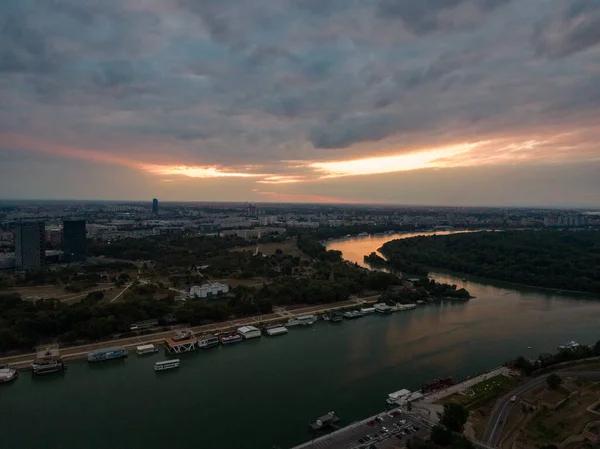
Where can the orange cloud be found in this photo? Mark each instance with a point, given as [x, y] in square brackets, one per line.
[393, 163]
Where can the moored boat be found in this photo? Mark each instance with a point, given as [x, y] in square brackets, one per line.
[367, 310]
[208, 341]
[229, 339]
[146, 349]
[302, 320]
[8, 375]
[336, 317]
[352, 314]
[382, 308]
[113, 353]
[248, 332]
[275, 329]
[48, 360]
[394, 397]
[325, 421]
[166, 364]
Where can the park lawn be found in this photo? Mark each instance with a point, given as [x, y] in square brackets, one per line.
[484, 391]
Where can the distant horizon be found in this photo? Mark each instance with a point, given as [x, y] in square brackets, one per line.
[242, 203]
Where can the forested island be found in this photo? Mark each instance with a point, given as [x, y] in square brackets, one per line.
[566, 260]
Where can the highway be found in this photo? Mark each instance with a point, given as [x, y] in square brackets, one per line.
[504, 406]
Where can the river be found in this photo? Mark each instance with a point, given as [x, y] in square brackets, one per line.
[261, 394]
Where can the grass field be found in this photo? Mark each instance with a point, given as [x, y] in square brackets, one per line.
[55, 291]
[288, 247]
[485, 390]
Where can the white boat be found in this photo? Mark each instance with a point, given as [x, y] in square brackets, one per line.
[363, 234]
[382, 308]
[276, 329]
[570, 345]
[366, 310]
[146, 349]
[403, 307]
[166, 364]
[352, 314]
[248, 332]
[394, 397]
[302, 320]
[8, 375]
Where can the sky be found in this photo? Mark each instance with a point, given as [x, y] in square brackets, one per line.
[441, 102]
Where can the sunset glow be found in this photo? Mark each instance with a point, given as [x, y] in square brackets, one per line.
[390, 164]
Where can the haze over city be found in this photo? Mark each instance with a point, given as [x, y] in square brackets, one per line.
[462, 102]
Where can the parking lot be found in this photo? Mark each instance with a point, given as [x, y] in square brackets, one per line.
[384, 431]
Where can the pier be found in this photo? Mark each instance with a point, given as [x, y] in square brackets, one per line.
[182, 341]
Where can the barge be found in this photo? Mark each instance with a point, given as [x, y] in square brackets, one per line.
[248, 332]
[100, 355]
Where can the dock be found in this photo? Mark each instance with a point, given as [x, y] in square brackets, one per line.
[182, 341]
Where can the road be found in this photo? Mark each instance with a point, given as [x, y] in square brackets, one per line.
[504, 406]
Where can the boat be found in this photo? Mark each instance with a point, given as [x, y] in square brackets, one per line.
[403, 307]
[248, 332]
[326, 317]
[394, 397]
[464, 279]
[382, 308]
[325, 421]
[363, 234]
[367, 310]
[352, 314]
[48, 360]
[228, 339]
[302, 320]
[166, 364]
[437, 384]
[113, 353]
[8, 375]
[336, 317]
[208, 341]
[146, 349]
[275, 329]
[569, 346]
[48, 365]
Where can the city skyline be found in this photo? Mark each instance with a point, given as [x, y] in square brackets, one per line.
[460, 103]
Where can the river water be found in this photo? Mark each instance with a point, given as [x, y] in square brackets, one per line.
[262, 394]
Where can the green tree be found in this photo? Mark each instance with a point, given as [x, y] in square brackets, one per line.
[441, 436]
[554, 381]
[454, 417]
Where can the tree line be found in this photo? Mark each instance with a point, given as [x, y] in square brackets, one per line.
[556, 259]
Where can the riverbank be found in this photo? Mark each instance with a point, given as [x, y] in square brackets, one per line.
[23, 361]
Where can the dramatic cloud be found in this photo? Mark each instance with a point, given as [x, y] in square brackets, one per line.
[293, 94]
[576, 29]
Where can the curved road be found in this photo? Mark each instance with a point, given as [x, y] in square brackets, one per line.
[504, 406]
